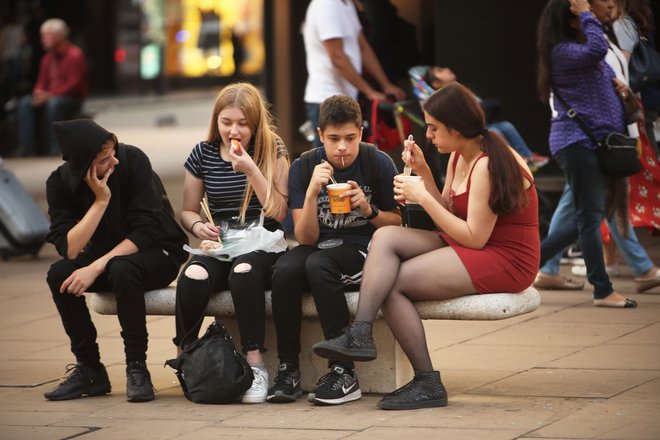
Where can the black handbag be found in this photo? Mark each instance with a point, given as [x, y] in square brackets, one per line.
[644, 65]
[617, 153]
[210, 369]
[414, 216]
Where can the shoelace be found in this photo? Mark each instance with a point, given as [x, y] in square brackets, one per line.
[259, 377]
[137, 377]
[74, 375]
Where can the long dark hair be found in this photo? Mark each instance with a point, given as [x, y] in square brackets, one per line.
[641, 13]
[456, 107]
[554, 27]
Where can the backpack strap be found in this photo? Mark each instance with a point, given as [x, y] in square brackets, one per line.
[370, 168]
[307, 164]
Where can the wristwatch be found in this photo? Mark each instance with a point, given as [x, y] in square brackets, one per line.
[374, 213]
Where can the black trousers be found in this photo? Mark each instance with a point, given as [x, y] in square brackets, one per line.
[247, 292]
[128, 277]
[327, 274]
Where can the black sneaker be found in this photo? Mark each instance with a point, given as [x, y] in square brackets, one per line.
[287, 385]
[424, 391]
[355, 344]
[83, 381]
[337, 387]
[138, 382]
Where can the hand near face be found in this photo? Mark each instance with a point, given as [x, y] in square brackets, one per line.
[579, 6]
[413, 156]
[99, 186]
[320, 178]
[241, 161]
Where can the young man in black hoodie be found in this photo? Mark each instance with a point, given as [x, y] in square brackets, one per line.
[114, 226]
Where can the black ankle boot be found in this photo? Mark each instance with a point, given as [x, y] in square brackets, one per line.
[355, 344]
[424, 391]
[138, 382]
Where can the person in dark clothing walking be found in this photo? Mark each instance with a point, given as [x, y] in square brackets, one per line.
[114, 226]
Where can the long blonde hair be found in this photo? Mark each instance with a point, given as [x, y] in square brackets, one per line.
[246, 97]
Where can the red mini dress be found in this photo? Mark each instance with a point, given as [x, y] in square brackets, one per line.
[510, 260]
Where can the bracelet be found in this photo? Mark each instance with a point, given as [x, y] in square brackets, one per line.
[193, 225]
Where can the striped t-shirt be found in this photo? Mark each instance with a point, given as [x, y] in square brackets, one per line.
[224, 187]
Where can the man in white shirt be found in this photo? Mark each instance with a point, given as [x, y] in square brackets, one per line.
[336, 50]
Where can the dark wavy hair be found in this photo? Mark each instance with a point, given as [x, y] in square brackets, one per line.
[554, 27]
[456, 107]
[641, 13]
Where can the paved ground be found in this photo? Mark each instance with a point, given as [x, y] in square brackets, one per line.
[565, 371]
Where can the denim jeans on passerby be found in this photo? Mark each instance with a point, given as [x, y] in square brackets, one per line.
[587, 183]
[57, 108]
[510, 133]
[313, 112]
[633, 252]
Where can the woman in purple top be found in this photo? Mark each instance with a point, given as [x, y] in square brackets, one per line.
[572, 48]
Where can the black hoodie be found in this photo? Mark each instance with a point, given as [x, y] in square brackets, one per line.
[138, 210]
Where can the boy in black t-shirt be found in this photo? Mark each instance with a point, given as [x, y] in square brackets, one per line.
[332, 247]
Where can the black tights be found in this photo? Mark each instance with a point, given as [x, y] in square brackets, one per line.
[405, 266]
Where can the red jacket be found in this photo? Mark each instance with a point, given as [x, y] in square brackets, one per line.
[64, 73]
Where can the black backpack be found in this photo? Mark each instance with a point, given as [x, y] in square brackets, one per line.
[368, 164]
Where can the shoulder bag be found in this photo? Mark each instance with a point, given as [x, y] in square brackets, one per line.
[644, 65]
[210, 369]
[617, 153]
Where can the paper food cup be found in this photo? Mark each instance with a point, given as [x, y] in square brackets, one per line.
[413, 179]
[339, 204]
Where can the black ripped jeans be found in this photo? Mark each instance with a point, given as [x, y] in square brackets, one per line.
[247, 291]
[128, 277]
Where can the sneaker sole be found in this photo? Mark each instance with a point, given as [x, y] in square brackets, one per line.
[144, 398]
[94, 392]
[311, 397]
[343, 354]
[413, 405]
[280, 397]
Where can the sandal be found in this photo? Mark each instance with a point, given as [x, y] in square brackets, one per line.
[623, 304]
[646, 283]
[556, 282]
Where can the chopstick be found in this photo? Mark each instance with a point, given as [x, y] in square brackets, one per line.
[407, 170]
[205, 207]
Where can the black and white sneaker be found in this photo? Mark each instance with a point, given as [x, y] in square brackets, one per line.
[338, 386]
[287, 385]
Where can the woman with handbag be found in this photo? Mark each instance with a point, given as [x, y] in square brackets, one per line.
[618, 225]
[573, 71]
[242, 167]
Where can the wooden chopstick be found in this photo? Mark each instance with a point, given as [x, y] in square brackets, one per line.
[205, 207]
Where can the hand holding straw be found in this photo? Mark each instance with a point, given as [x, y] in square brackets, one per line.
[205, 207]
[332, 178]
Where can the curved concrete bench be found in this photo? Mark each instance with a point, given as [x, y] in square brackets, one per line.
[389, 371]
[472, 307]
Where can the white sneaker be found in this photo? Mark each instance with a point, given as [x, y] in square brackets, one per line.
[259, 389]
[611, 269]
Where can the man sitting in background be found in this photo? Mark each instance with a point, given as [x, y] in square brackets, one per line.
[58, 93]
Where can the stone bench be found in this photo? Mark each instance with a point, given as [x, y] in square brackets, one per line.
[389, 371]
